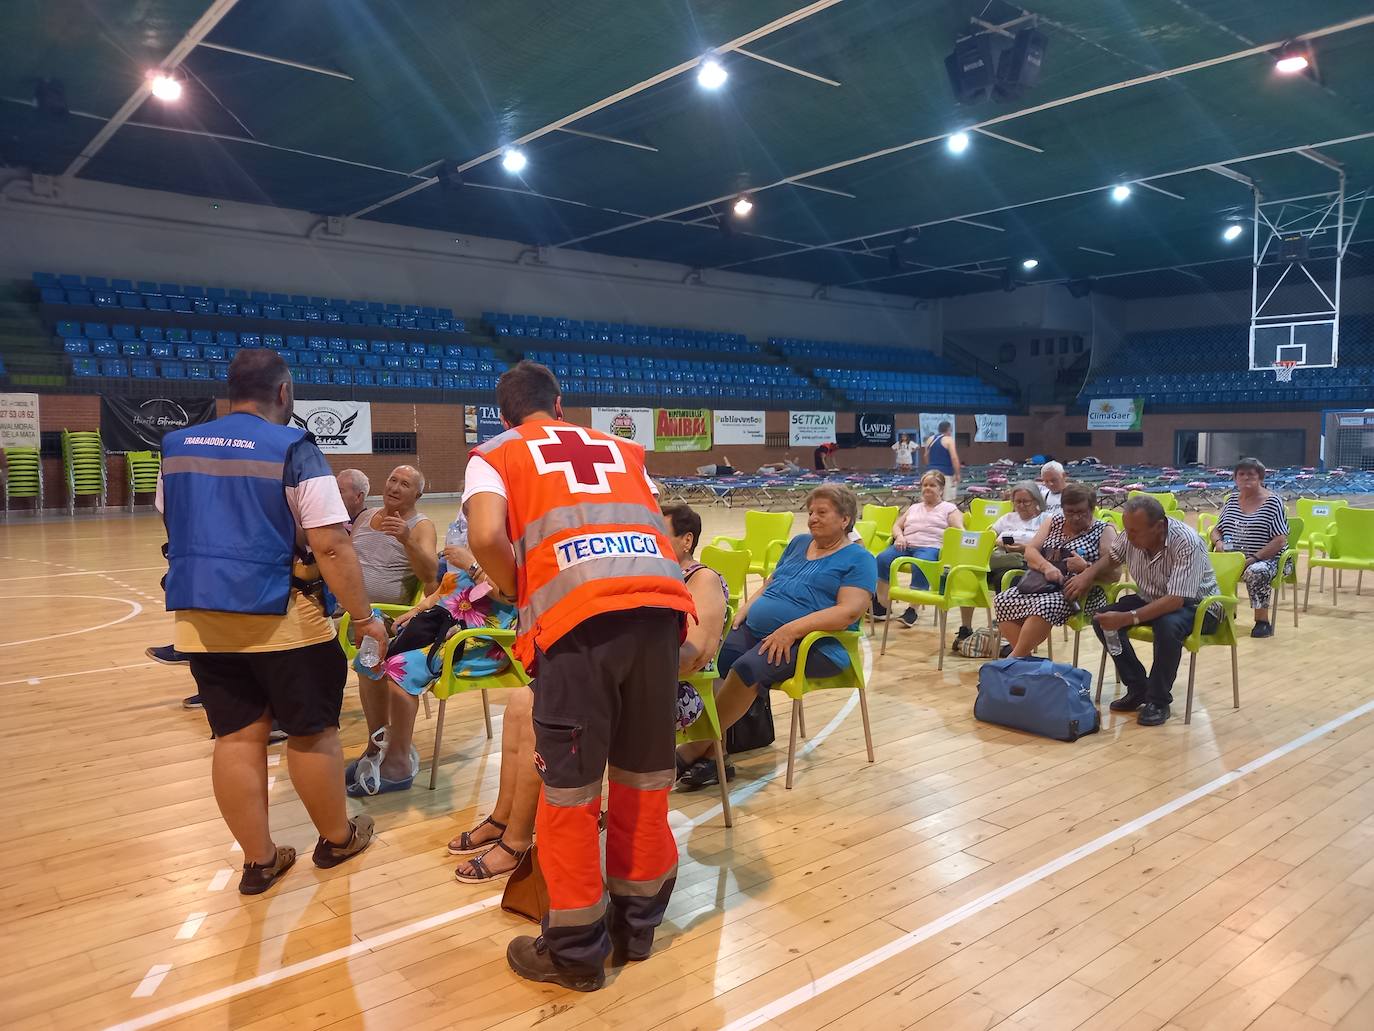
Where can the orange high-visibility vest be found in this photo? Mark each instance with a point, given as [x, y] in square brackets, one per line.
[588, 534]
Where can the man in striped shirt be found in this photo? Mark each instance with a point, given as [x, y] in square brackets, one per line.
[1169, 565]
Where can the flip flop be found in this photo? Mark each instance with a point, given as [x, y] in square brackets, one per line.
[366, 786]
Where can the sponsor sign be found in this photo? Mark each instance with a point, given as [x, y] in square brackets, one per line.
[930, 425]
[481, 423]
[635, 424]
[876, 428]
[682, 429]
[990, 429]
[739, 428]
[1115, 413]
[19, 420]
[339, 427]
[130, 425]
[589, 547]
[807, 429]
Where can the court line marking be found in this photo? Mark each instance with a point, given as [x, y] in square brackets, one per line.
[80, 572]
[135, 606]
[220, 880]
[911, 939]
[190, 926]
[151, 980]
[76, 673]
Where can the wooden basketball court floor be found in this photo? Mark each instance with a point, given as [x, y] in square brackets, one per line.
[1206, 877]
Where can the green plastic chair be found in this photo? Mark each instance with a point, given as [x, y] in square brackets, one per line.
[1109, 515]
[1319, 519]
[1228, 565]
[1206, 523]
[1287, 572]
[883, 517]
[799, 685]
[983, 512]
[450, 683]
[707, 726]
[760, 530]
[142, 469]
[867, 530]
[1348, 545]
[733, 566]
[1166, 498]
[23, 476]
[83, 461]
[964, 558]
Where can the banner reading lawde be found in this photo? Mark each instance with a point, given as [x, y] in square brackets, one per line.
[1116, 413]
[739, 428]
[129, 425]
[18, 420]
[635, 424]
[682, 429]
[810, 428]
[875, 428]
[339, 427]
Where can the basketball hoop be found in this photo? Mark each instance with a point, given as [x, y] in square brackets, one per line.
[1283, 371]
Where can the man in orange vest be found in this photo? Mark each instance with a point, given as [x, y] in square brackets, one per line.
[564, 519]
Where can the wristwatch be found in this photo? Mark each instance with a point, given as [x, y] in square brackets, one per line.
[474, 570]
[1135, 620]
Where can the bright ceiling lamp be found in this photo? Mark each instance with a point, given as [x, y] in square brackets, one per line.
[165, 87]
[1120, 193]
[711, 74]
[514, 160]
[1030, 264]
[1232, 232]
[1293, 58]
[958, 143]
[742, 207]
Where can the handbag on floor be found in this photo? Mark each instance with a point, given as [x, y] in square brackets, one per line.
[1051, 699]
[526, 893]
[752, 730]
[981, 644]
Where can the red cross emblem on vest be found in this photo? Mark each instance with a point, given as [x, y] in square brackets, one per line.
[583, 460]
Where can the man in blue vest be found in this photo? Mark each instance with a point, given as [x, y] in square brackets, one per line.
[255, 533]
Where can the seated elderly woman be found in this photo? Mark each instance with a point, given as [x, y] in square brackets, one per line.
[919, 532]
[1253, 523]
[1015, 530]
[823, 581]
[1064, 546]
[397, 546]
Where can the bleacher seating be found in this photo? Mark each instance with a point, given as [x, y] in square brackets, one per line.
[640, 376]
[544, 327]
[870, 386]
[869, 355]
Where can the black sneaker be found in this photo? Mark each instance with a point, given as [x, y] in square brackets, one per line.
[1152, 714]
[964, 631]
[907, 619]
[327, 854]
[702, 774]
[879, 612]
[1263, 629]
[167, 655]
[531, 959]
[192, 702]
[1127, 703]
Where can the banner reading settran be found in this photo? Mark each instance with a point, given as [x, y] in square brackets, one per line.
[1116, 413]
[682, 429]
[739, 428]
[807, 429]
[635, 424]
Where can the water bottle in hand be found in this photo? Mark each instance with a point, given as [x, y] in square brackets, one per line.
[1112, 639]
[369, 654]
[457, 535]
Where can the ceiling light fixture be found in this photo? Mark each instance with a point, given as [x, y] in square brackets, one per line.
[742, 207]
[1292, 58]
[514, 160]
[711, 74]
[165, 87]
[958, 143]
[1232, 232]
[1120, 193]
[1030, 263]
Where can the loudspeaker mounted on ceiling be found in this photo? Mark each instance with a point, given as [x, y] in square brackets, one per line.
[1018, 67]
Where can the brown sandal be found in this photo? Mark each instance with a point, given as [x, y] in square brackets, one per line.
[466, 846]
[479, 864]
[258, 877]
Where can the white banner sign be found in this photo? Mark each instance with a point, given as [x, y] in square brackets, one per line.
[990, 429]
[18, 420]
[635, 424]
[810, 428]
[739, 428]
[339, 427]
[930, 425]
[1115, 413]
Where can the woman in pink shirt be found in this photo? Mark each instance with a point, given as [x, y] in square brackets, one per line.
[919, 532]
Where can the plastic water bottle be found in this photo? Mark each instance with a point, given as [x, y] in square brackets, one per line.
[457, 532]
[1112, 638]
[369, 654]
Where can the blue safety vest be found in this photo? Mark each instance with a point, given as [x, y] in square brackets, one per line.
[231, 537]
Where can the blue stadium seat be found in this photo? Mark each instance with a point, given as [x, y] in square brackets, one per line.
[133, 349]
[85, 367]
[75, 345]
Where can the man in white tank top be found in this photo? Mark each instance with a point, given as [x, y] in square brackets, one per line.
[396, 545]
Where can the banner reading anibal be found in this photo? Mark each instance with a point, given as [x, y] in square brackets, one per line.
[1116, 413]
[682, 429]
[810, 428]
[739, 428]
[339, 427]
[990, 429]
[19, 420]
[635, 424]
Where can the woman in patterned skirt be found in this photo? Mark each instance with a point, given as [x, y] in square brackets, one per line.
[1254, 523]
[1072, 539]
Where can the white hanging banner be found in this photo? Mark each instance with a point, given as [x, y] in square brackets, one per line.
[930, 425]
[18, 420]
[339, 427]
[990, 429]
[739, 428]
[810, 428]
[635, 424]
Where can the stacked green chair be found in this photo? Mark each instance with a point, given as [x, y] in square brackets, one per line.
[1348, 545]
[142, 468]
[83, 461]
[23, 476]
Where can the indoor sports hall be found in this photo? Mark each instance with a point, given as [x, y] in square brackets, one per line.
[1061, 315]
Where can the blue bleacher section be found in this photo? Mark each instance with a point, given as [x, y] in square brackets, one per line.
[635, 376]
[873, 356]
[871, 374]
[545, 327]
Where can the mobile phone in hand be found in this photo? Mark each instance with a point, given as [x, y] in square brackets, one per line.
[1008, 539]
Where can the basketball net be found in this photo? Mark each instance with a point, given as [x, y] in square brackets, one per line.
[1283, 371]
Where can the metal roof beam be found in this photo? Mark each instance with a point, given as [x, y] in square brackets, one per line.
[1007, 139]
[1230, 173]
[787, 67]
[275, 60]
[202, 28]
[1158, 189]
[607, 139]
[824, 189]
[1322, 159]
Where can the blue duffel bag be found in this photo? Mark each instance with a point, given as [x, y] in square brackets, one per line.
[1039, 696]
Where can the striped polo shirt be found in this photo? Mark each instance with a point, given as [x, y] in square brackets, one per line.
[1180, 568]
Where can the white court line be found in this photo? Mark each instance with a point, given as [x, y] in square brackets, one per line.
[274, 759]
[270, 782]
[151, 980]
[135, 606]
[911, 939]
[190, 926]
[221, 878]
[358, 948]
[76, 673]
[80, 572]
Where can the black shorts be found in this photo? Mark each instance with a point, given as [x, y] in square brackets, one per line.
[302, 687]
[741, 654]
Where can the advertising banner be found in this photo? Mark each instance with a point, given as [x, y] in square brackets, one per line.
[1115, 413]
[133, 425]
[875, 428]
[990, 429]
[682, 429]
[807, 429]
[481, 423]
[930, 425]
[339, 427]
[19, 420]
[635, 424]
[739, 428]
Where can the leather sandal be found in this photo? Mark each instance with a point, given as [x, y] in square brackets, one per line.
[463, 845]
[479, 864]
[258, 877]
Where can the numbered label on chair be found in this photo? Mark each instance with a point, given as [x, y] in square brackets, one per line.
[1321, 510]
[970, 540]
